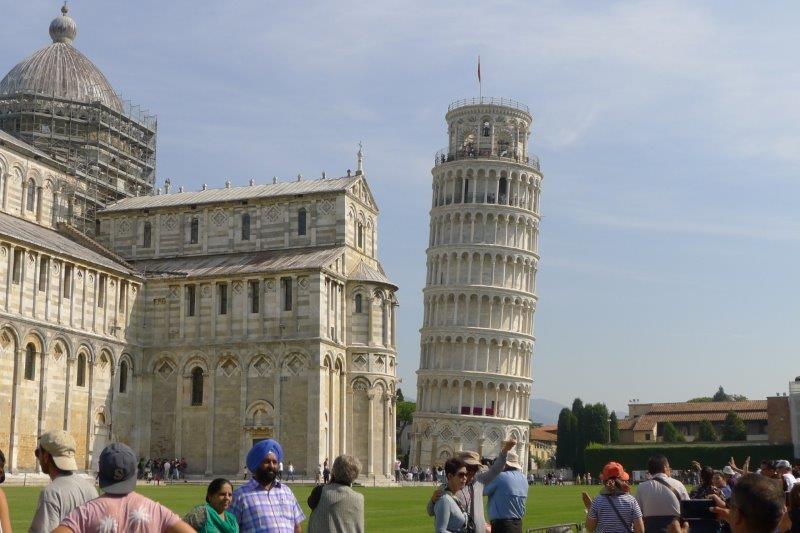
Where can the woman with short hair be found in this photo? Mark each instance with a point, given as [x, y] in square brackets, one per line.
[214, 517]
[448, 510]
[336, 507]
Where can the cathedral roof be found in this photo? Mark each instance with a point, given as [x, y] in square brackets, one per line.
[60, 70]
[33, 234]
[232, 194]
[363, 272]
[240, 263]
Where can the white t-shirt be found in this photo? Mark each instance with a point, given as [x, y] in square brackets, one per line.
[788, 481]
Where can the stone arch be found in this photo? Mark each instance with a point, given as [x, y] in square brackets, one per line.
[197, 359]
[260, 413]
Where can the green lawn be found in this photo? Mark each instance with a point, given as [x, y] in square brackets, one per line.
[387, 509]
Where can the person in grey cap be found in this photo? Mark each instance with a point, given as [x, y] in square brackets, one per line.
[120, 508]
[67, 490]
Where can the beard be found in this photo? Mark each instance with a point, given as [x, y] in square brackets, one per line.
[265, 476]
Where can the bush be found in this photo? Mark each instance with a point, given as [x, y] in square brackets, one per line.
[707, 433]
[634, 456]
[671, 433]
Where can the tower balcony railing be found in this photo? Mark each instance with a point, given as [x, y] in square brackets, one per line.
[507, 102]
[445, 156]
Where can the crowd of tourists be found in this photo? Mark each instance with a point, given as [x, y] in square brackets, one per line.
[156, 470]
[729, 499]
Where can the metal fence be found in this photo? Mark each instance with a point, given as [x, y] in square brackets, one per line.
[559, 528]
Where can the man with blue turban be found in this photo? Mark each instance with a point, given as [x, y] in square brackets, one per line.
[265, 504]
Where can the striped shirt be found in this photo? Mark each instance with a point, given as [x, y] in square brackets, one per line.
[266, 511]
[607, 519]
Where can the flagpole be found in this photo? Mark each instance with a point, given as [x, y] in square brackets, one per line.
[480, 82]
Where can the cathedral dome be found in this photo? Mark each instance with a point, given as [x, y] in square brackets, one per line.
[60, 70]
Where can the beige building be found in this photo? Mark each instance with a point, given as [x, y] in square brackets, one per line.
[189, 324]
[474, 378]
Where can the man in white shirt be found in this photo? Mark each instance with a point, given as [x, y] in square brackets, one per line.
[659, 497]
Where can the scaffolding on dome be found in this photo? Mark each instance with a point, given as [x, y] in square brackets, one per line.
[107, 155]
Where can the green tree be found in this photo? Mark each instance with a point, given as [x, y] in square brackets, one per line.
[733, 429]
[579, 442]
[701, 399]
[706, 433]
[671, 433]
[567, 432]
[405, 415]
[720, 396]
[595, 424]
[614, 428]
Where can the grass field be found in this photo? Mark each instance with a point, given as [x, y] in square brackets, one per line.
[386, 509]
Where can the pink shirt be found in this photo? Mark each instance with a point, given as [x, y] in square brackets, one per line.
[132, 513]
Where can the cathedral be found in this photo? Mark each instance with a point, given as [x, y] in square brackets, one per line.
[185, 324]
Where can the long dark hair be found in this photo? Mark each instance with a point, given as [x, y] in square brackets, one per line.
[2, 467]
[215, 486]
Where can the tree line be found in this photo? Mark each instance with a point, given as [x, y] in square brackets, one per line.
[580, 426]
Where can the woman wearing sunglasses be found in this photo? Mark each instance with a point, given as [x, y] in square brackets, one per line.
[450, 516]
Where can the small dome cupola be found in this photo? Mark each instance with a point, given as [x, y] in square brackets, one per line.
[63, 28]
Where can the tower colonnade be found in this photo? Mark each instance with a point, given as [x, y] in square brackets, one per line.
[476, 347]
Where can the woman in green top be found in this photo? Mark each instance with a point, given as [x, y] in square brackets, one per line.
[213, 517]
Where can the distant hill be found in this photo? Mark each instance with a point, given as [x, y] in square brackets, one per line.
[545, 411]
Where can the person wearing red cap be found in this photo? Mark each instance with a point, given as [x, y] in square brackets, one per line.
[614, 510]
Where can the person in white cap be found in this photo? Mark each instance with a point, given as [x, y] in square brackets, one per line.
[784, 469]
[67, 490]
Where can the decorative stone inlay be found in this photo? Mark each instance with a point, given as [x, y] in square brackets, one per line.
[360, 386]
[55, 269]
[272, 213]
[446, 433]
[3, 251]
[295, 366]
[229, 366]
[79, 274]
[326, 207]
[494, 435]
[31, 258]
[470, 435]
[270, 285]
[237, 287]
[206, 290]
[360, 362]
[302, 282]
[165, 370]
[169, 222]
[427, 432]
[262, 366]
[173, 291]
[219, 217]
[123, 227]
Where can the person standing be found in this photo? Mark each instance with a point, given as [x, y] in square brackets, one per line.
[784, 469]
[336, 507]
[5, 518]
[397, 470]
[450, 513]
[757, 505]
[213, 517]
[660, 497]
[120, 508]
[478, 476]
[280, 471]
[67, 490]
[291, 471]
[264, 504]
[166, 467]
[326, 472]
[614, 510]
[508, 495]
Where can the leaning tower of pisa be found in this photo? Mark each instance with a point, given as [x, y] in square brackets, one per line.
[476, 346]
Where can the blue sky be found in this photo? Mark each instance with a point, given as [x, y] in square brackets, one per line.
[669, 134]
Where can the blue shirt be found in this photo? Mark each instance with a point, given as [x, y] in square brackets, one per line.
[266, 511]
[508, 494]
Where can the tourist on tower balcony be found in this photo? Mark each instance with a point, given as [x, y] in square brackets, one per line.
[336, 507]
[450, 512]
[265, 505]
[213, 516]
[478, 476]
[67, 490]
[508, 496]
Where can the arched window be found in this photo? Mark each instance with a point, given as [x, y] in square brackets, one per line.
[359, 303]
[360, 235]
[123, 377]
[194, 231]
[147, 236]
[30, 200]
[503, 191]
[246, 227]
[81, 370]
[30, 362]
[301, 221]
[197, 386]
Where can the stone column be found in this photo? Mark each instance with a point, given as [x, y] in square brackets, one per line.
[370, 432]
[12, 438]
[212, 372]
[343, 412]
[387, 441]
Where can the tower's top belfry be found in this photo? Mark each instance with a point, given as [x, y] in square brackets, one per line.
[496, 128]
